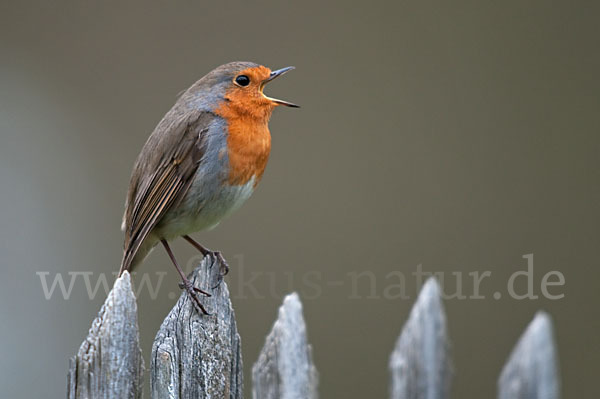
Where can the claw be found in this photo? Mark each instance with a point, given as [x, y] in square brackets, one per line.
[182, 285]
[219, 282]
[223, 268]
[198, 306]
[192, 292]
[207, 294]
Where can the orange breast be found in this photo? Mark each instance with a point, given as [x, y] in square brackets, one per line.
[248, 144]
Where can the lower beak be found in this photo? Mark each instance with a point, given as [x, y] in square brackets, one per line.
[274, 75]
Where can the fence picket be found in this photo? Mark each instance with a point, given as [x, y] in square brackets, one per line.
[531, 371]
[284, 369]
[420, 363]
[200, 356]
[109, 362]
[195, 355]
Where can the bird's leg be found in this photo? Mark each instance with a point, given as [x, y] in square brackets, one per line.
[185, 283]
[224, 267]
[197, 245]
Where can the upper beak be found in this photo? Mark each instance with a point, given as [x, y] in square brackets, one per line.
[274, 75]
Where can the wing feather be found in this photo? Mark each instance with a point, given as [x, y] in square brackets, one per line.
[164, 180]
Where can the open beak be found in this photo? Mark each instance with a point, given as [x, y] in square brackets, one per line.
[274, 75]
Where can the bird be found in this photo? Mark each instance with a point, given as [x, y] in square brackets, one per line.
[201, 163]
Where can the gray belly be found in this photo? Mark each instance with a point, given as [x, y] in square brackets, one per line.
[203, 207]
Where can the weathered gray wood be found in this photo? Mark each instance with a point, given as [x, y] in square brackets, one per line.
[531, 371]
[420, 364]
[109, 362]
[195, 355]
[284, 369]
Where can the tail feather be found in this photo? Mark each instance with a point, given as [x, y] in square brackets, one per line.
[134, 256]
[125, 262]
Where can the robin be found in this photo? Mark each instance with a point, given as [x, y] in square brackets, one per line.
[203, 160]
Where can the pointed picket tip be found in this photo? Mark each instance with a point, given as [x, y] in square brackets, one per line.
[531, 370]
[109, 362]
[285, 368]
[420, 364]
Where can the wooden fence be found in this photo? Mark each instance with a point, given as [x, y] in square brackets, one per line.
[196, 356]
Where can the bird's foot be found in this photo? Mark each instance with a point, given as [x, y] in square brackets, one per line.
[223, 267]
[184, 285]
[193, 293]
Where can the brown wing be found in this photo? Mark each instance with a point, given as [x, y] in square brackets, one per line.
[161, 177]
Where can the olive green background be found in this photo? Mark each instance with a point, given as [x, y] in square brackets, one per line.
[456, 135]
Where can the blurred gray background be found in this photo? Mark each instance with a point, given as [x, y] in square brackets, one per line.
[456, 135]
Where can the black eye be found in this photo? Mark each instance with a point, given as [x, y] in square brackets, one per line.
[242, 80]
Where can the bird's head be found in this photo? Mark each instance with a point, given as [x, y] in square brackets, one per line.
[241, 88]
